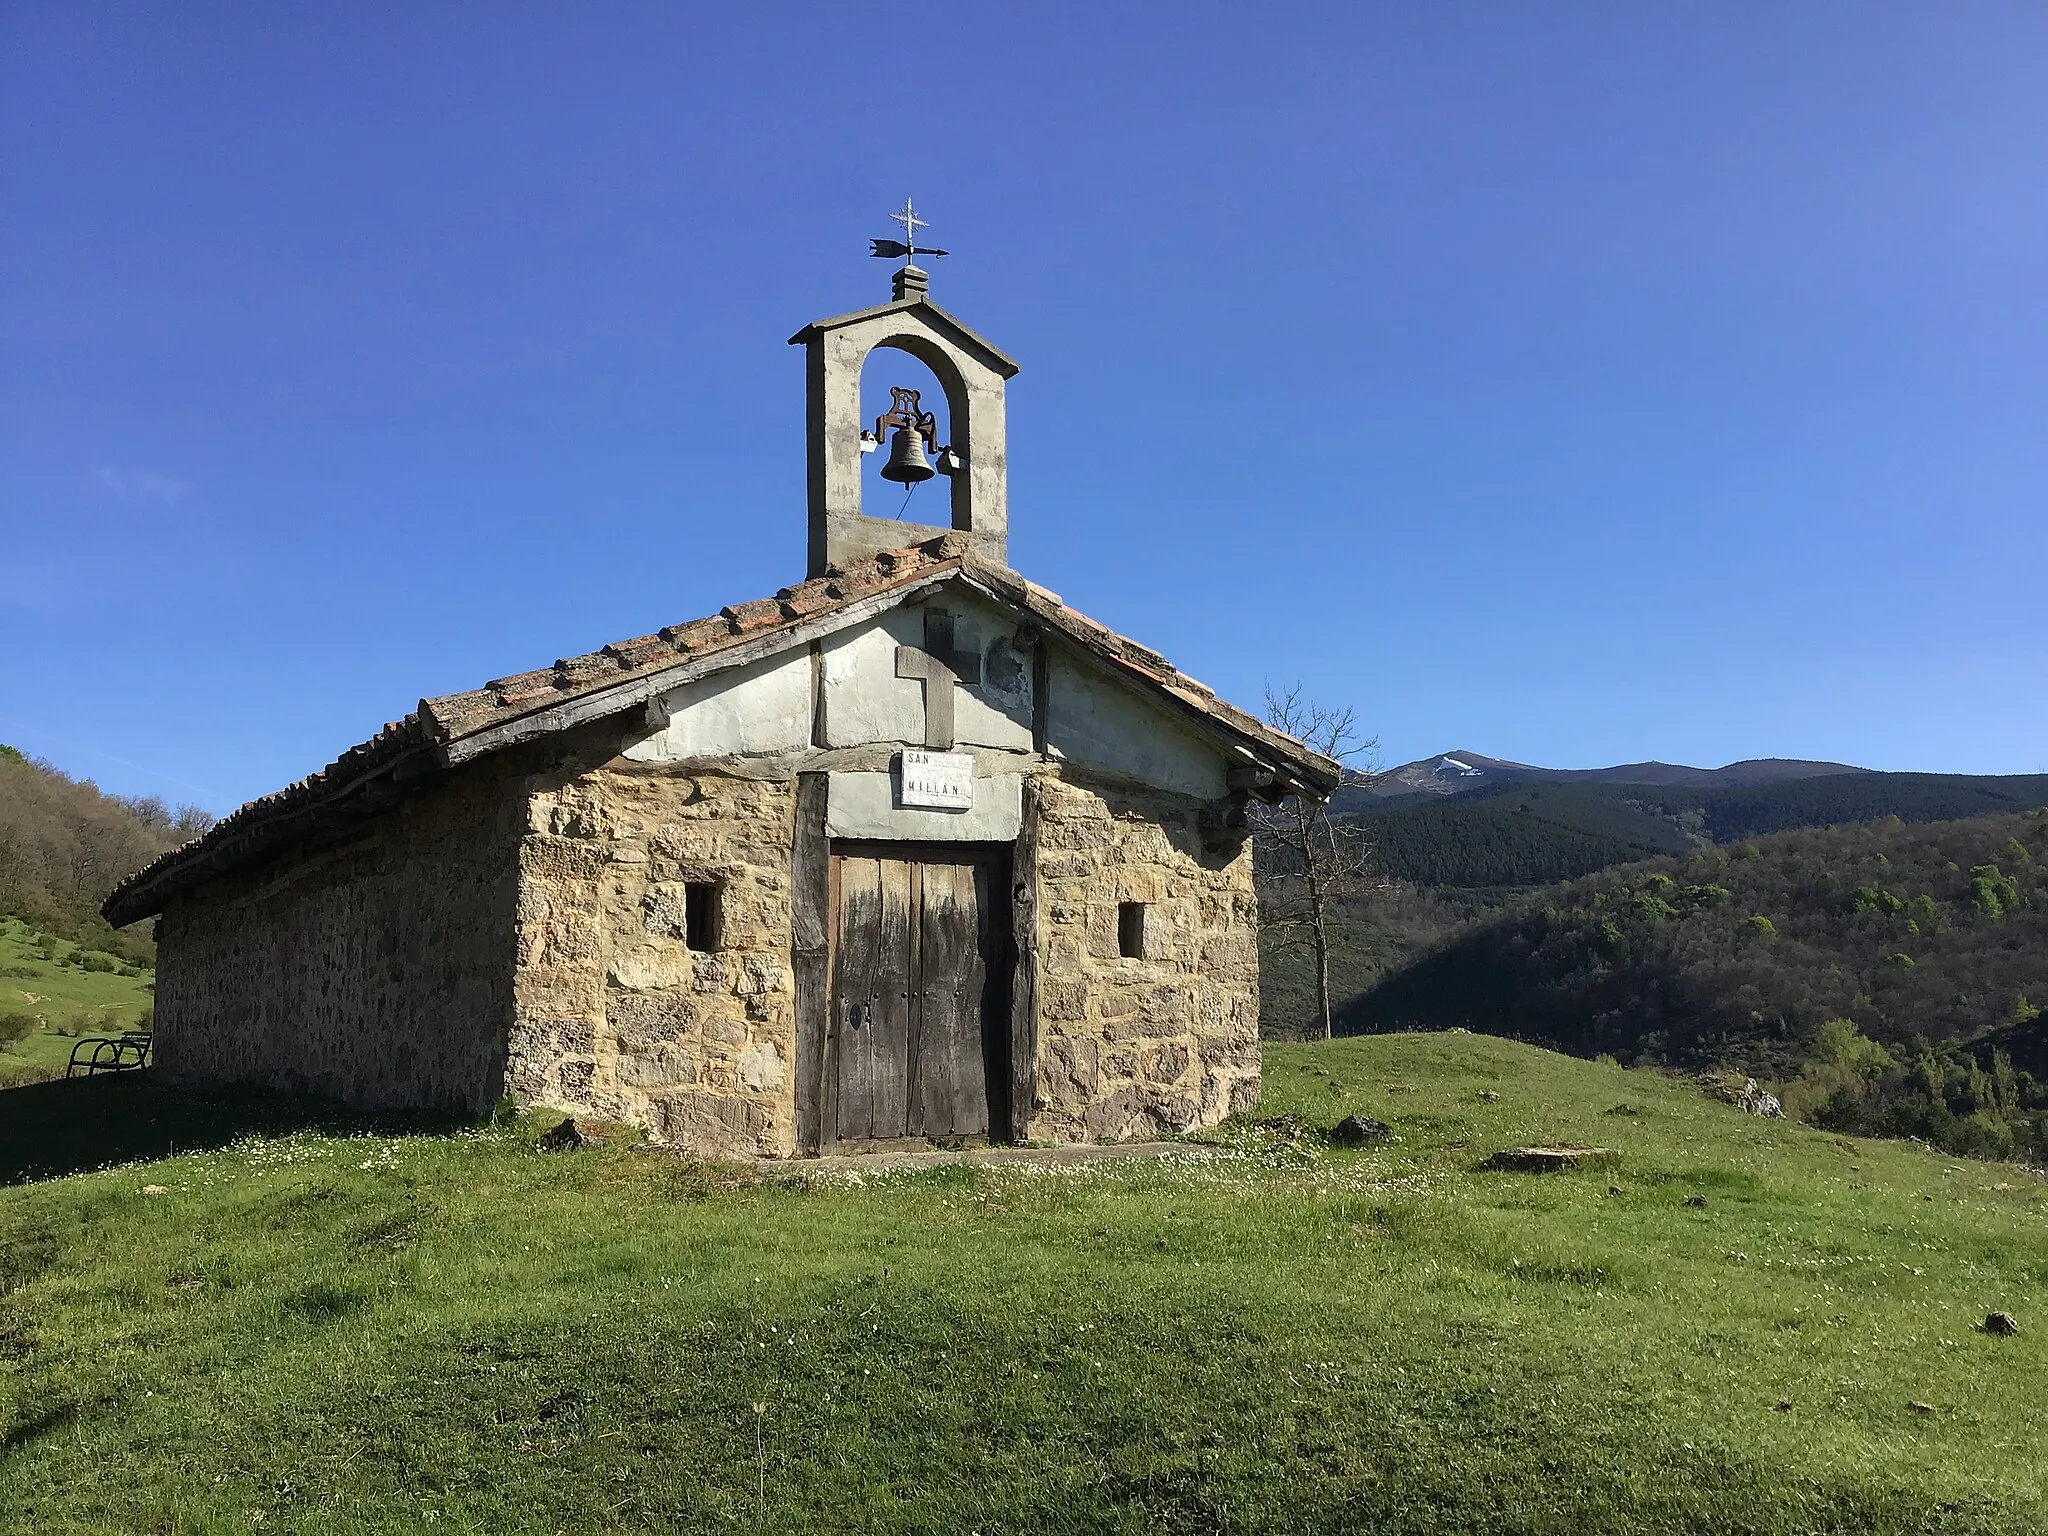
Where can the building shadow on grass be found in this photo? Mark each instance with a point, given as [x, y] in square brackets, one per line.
[75, 1125]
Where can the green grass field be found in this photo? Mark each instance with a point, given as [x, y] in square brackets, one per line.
[343, 1328]
[69, 1001]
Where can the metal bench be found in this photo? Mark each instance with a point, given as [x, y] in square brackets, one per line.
[110, 1053]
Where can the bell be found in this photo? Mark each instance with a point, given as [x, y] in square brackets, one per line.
[906, 464]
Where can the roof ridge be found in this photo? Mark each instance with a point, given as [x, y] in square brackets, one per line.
[437, 722]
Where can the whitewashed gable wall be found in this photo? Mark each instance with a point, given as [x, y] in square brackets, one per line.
[1092, 719]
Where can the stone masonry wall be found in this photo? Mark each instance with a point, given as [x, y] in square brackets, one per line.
[375, 969]
[616, 1016]
[521, 929]
[1135, 1047]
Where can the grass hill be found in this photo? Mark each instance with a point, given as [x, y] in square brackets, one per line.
[64, 845]
[346, 1327]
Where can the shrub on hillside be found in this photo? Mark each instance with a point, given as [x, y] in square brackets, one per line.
[16, 1027]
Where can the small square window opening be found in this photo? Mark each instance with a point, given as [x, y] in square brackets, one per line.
[701, 915]
[1130, 929]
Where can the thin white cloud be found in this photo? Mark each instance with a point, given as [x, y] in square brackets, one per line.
[139, 487]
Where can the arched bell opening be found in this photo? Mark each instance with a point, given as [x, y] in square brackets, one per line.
[850, 520]
[914, 435]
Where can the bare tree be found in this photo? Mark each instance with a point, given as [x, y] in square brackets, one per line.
[193, 820]
[1310, 860]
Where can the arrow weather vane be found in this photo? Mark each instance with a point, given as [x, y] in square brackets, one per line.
[907, 247]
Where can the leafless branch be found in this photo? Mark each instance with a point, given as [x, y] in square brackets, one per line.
[1306, 859]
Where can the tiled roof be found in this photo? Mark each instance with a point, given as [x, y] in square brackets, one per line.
[433, 733]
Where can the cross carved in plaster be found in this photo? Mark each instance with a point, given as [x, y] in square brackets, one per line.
[938, 666]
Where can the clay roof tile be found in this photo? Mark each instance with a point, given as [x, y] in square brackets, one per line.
[522, 686]
[1146, 657]
[639, 651]
[697, 634]
[745, 618]
[580, 671]
[807, 598]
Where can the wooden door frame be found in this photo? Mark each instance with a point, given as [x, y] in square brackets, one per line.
[814, 937]
[1001, 974]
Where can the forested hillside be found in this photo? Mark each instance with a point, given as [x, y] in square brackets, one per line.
[1729, 815]
[1875, 949]
[1515, 835]
[1937, 931]
[1529, 833]
[63, 845]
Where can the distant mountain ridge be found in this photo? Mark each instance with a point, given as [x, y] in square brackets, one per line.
[1458, 773]
[1466, 820]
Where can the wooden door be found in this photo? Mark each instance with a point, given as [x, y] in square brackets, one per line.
[917, 1045]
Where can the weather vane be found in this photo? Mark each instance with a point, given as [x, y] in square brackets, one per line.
[907, 247]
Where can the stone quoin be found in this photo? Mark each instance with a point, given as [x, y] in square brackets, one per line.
[910, 851]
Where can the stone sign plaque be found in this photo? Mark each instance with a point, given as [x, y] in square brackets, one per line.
[942, 781]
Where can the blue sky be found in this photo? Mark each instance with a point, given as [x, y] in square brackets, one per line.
[1572, 383]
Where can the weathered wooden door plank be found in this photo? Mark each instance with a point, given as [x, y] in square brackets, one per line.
[853, 999]
[953, 976]
[810, 899]
[889, 1044]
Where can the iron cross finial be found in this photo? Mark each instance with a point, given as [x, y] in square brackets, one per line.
[907, 247]
[910, 221]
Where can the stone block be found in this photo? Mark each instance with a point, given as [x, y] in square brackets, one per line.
[758, 974]
[1167, 1064]
[1063, 1002]
[760, 1067]
[1164, 1004]
[713, 1125]
[575, 1037]
[639, 1020]
[579, 821]
[708, 973]
[722, 1029]
[1069, 1069]
[652, 968]
[558, 859]
[656, 1066]
[1070, 835]
[573, 1081]
[661, 911]
[1119, 999]
[569, 938]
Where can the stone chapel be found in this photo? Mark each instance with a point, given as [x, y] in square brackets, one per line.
[910, 851]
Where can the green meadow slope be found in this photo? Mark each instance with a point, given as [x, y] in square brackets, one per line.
[57, 991]
[379, 1329]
